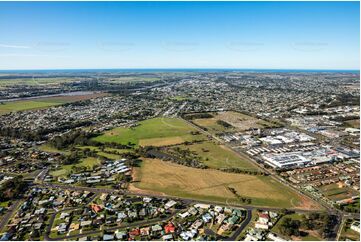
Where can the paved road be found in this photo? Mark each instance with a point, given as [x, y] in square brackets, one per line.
[41, 176]
[5, 219]
[51, 222]
[52, 218]
[339, 230]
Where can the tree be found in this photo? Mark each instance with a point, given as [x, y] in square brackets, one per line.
[13, 188]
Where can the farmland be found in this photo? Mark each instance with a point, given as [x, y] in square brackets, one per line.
[156, 176]
[156, 132]
[39, 103]
[45, 81]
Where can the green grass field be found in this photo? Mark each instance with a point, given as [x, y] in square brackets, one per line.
[217, 156]
[159, 177]
[157, 131]
[4, 204]
[39, 103]
[107, 152]
[50, 149]
[37, 81]
[66, 169]
[126, 79]
[27, 105]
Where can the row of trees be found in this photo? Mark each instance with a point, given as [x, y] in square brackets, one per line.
[38, 135]
[176, 155]
[77, 137]
[198, 116]
[240, 198]
[241, 171]
[224, 124]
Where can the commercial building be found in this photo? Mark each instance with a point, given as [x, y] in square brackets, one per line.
[286, 160]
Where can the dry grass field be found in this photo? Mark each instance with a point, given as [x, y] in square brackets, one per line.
[239, 121]
[159, 177]
[355, 123]
[161, 141]
[219, 156]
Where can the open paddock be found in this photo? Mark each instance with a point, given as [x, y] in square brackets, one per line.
[155, 132]
[159, 177]
[43, 102]
[219, 156]
[239, 122]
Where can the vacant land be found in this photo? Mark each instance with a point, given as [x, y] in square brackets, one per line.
[51, 149]
[39, 103]
[219, 156]
[65, 170]
[237, 122]
[161, 177]
[309, 235]
[133, 79]
[336, 192]
[156, 132]
[110, 153]
[355, 123]
[43, 81]
[212, 126]
[161, 141]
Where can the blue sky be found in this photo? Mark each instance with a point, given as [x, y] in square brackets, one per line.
[273, 35]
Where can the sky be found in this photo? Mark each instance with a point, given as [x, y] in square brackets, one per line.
[255, 35]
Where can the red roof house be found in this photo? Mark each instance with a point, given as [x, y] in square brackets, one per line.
[96, 208]
[169, 228]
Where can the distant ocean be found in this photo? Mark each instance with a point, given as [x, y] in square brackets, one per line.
[155, 70]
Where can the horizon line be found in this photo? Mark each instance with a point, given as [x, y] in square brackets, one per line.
[182, 68]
